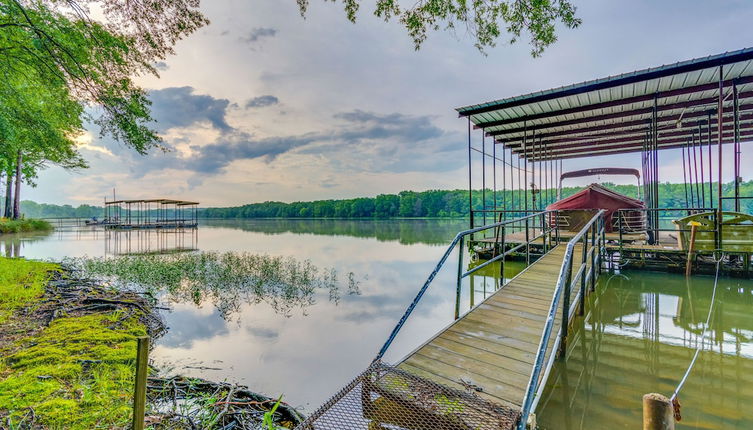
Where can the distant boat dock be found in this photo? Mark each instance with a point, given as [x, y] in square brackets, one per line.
[150, 213]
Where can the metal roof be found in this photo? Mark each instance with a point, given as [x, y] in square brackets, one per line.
[160, 201]
[613, 115]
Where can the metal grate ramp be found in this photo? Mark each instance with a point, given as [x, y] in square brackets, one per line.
[385, 397]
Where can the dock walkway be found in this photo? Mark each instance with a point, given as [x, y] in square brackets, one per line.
[492, 348]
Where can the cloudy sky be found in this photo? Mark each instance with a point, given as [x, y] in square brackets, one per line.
[264, 105]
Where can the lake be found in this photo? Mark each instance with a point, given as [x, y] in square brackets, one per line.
[639, 339]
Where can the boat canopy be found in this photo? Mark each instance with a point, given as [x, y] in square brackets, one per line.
[596, 197]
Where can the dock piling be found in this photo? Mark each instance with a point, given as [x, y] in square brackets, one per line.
[142, 370]
[657, 412]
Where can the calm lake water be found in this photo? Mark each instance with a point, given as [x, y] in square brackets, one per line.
[639, 339]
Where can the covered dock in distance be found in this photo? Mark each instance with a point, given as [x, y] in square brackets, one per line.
[150, 213]
[702, 109]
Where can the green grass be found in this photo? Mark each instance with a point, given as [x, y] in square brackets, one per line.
[8, 225]
[21, 281]
[77, 373]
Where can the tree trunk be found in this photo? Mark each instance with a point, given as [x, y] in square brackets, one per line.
[17, 196]
[8, 192]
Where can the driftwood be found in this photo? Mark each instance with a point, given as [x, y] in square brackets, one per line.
[231, 405]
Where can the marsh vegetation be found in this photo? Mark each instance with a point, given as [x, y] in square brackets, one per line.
[225, 279]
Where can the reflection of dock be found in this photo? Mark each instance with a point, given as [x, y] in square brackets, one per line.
[151, 241]
[150, 214]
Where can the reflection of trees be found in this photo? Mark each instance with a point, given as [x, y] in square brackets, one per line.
[11, 244]
[403, 231]
[226, 280]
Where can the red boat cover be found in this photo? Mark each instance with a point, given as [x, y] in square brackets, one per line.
[597, 197]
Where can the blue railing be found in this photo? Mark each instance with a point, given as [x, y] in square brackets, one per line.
[546, 223]
[592, 237]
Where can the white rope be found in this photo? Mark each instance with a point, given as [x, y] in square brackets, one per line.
[703, 334]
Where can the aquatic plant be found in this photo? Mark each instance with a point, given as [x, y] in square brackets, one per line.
[225, 279]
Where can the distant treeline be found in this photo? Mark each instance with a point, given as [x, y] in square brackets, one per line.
[406, 204]
[32, 209]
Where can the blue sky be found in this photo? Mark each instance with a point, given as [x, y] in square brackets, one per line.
[264, 105]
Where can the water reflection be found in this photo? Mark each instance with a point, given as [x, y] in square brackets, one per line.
[225, 280]
[405, 231]
[638, 337]
[12, 245]
[485, 282]
[150, 241]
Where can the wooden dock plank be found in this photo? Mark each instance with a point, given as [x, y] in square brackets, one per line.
[494, 345]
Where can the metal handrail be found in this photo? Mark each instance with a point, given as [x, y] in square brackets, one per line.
[459, 239]
[565, 281]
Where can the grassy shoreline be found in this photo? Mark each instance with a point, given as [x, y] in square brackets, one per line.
[67, 360]
[22, 225]
[61, 370]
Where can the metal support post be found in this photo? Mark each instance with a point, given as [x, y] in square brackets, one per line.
[459, 285]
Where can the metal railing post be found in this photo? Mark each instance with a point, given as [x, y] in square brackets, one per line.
[502, 261]
[593, 257]
[460, 277]
[557, 225]
[583, 260]
[528, 245]
[603, 245]
[566, 309]
[619, 222]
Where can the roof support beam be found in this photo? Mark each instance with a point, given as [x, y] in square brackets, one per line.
[608, 151]
[622, 134]
[634, 123]
[626, 101]
[709, 101]
[631, 145]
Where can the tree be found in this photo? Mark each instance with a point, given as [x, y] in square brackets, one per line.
[58, 42]
[40, 123]
[60, 67]
[484, 20]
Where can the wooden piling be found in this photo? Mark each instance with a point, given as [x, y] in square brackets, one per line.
[691, 244]
[657, 412]
[139, 394]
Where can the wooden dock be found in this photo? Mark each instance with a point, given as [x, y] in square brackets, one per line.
[492, 348]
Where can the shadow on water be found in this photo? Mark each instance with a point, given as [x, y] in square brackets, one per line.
[639, 335]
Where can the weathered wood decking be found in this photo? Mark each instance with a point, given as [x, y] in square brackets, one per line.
[494, 345]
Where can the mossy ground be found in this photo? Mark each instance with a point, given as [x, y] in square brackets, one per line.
[76, 373]
[8, 225]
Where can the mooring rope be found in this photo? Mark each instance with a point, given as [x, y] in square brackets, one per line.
[673, 399]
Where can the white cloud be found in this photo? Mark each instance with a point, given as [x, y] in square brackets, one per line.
[324, 66]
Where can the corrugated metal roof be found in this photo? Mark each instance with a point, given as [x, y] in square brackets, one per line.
[613, 114]
[160, 201]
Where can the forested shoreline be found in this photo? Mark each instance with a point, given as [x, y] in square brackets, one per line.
[406, 204]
